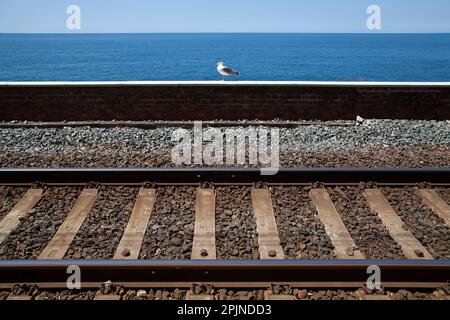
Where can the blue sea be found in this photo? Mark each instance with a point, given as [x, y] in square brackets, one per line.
[325, 57]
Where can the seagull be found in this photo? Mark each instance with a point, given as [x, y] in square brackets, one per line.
[225, 71]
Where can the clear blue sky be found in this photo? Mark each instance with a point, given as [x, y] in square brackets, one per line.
[224, 15]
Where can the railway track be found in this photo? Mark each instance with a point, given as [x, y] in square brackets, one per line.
[419, 248]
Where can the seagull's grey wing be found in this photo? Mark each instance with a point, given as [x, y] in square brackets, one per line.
[228, 70]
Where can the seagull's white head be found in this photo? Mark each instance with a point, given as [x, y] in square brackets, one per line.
[219, 64]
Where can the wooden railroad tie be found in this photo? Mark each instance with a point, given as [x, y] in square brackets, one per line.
[393, 223]
[59, 244]
[435, 203]
[131, 242]
[344, 246]
[19, 211]
[204, 243]
[268, 239]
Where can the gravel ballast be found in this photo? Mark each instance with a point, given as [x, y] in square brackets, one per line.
[103, 228]
[65, 295]
[374, 143]
[170, 230]
[424, 156]
[35, 231]
[363, 224]
[240, 294]
[425, 225]
[9, 196]
[236, 236]
[370, 157]
[444, 193]
[302, 235]
[311, 137]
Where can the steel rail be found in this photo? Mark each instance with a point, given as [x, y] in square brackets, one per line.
[245, 273]
[223, 176]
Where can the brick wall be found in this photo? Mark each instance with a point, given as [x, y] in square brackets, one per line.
[228, 102]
